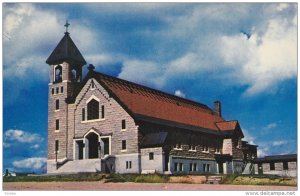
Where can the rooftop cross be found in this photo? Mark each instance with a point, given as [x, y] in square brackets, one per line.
[67, 25]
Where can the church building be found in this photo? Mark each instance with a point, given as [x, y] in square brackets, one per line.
[101, 123]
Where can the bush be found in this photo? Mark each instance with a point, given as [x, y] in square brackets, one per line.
[149, 178]
[152, 178]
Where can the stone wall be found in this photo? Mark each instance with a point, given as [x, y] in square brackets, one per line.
[157, 164]
[110, 124]
[186, 138]
[186, 165]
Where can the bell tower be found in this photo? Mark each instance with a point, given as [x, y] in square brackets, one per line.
[65, 63]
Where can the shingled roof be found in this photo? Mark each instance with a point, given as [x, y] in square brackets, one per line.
[140, 100]
[66, 50]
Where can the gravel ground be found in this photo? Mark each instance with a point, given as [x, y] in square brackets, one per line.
[100, 186]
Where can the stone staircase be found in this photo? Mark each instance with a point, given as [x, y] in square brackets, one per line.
[80, 166]
[214, 180]
[248, 169]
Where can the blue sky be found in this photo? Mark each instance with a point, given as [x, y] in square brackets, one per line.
[244, 55]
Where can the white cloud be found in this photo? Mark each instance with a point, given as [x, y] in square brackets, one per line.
[30, 33]
[261, 152]
[179, 93]
[35, 146]
[271, 126]
[6, 145]
[30, 163]
[142, 72]
[21, 136]
[279, 142]
[248, 137]
[264, 60]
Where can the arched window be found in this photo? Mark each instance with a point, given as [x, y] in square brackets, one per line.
[74, 75]
[93, 110]
[58, 73]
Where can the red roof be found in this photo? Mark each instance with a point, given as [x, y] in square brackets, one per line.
[153, 103]
[227, 125]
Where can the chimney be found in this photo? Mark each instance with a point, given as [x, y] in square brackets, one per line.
[217, 108]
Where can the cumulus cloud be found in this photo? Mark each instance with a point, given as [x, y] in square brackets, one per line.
[30, 33]
[260, 61]
[21, 136]
[248, 137]
[30, 163]
[179, 93]
[279, 142]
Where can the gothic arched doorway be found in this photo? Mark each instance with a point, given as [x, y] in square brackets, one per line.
[93, 145]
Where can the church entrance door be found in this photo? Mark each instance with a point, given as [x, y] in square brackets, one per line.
[93, 145]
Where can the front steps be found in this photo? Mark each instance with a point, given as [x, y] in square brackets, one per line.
[80, 166]
[214, 180]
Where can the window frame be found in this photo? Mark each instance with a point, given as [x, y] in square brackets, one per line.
[83, 114]
[102, 111]
[56, 146]
[285, 165]
[93, 110]
[123, 124]
[57, 104]
[124, 145]
[57, 125]
[151, 155]
[272, 166]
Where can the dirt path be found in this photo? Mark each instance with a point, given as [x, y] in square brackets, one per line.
[100, 186]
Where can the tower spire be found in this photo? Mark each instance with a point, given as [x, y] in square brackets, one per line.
[67, 25]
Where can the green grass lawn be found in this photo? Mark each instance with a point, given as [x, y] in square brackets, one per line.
[153, 178]
[71, 177]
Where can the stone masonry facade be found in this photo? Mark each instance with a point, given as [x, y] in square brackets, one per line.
[96, 124]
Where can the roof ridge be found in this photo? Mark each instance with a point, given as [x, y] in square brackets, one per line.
[157, 91]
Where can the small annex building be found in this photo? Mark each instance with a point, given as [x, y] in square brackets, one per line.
[281, 165]
[101, 123]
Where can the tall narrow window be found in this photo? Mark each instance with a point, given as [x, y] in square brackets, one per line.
[56, 145]
[102, 112]
[180, 166]
[123, 124]
[123, 144]
[175, 166]
[151, 155]
[57, 90]
[285, 166]
[62, 89]
[93, 110]
[83, 114]
[57, 124]
[52, 91]
[57, 104]
[128, 164]
[195, 167]
[272, 166]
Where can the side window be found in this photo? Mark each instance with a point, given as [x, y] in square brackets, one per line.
[123, 124]
[124, 145]
[83, 114]
[272, 166]
[102, 112]
[151, 156]
[57, 104]
[56, 145]
[57, 124]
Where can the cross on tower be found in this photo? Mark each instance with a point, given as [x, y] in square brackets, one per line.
[67, 25]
